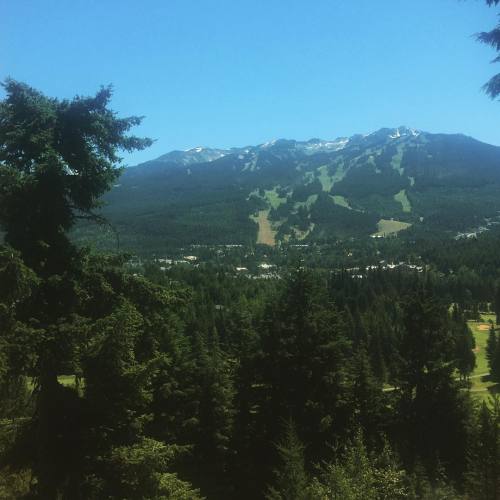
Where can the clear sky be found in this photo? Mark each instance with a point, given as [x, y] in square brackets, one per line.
[227, 73]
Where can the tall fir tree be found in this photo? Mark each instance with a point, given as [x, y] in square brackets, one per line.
[304, 370]
[434, 415]
[291, 480]
[491, 345]
[483, 474]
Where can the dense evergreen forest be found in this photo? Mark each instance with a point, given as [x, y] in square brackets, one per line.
[197, 382]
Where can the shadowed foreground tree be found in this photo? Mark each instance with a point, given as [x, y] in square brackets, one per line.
[434, 414]
[63, 311]
[304, 369]
[57, 157]
[483, 476]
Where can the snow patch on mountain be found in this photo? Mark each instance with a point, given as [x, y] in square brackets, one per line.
[284, 148]
[404, 132]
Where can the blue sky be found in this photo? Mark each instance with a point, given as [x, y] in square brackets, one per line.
[228, 73]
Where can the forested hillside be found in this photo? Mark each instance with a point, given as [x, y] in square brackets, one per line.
[289, 191]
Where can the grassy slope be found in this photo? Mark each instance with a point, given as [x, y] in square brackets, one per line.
[325, 179]
[387, 227]
[403, 199]
[396, 161]
[273, 198]
[341, 201]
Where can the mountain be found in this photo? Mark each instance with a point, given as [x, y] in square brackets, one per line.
[317, 190]
[195, 155]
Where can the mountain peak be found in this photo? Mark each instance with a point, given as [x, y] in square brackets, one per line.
[191, 156]
[394, 132]
[316, 189]
[315, 145]
[405, 131]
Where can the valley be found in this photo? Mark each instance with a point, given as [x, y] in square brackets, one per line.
[222, 277]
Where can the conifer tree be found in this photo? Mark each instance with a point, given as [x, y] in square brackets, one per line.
[483, 475]
[492, 38]
[368, 398]
[139, 471]
[57, 157]
[434, 414]
[496, 302]
[247, 435]
[357, 476]
[291, 479]
[304, 371]
[214, 416]
[491, 345]
[495, 364]
[464, 345]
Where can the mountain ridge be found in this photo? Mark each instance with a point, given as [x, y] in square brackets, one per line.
[207, 154]
[307, 191]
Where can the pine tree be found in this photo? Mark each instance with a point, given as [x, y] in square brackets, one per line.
[483, 475]
[495, 364]
[434, 414]
[304, 372]
[496, 302]
[491, 345]
[141, 471]
[214, 416]
[378, 363]
[117, 386]
[355, 476]
[492, 38]
[464, 345]
[291, 479]
[368, 398]
[57, 157]
[247, 435]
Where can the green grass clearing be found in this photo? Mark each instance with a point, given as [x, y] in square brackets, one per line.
[273, 198]
[339, 173]
[403, 199]
[311, 200]
[396, 161]
[325, 178]
[388, 227]
[340, 201]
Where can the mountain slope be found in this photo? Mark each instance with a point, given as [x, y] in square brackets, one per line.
[307, 191]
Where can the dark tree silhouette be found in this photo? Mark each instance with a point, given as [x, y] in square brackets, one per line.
[492, 38]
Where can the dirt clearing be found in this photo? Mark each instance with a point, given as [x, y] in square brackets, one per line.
[266, 234]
